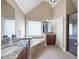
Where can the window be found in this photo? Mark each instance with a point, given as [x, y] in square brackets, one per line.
[34, 28]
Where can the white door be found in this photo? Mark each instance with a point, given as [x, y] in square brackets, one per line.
[59, 32]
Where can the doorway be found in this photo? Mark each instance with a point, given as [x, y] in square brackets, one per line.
[72, 33]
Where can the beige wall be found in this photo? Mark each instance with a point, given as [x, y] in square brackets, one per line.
[70, 7]
[7, 11]
[60, 11]
[40, 12]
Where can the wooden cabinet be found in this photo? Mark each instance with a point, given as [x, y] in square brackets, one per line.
[51, 39]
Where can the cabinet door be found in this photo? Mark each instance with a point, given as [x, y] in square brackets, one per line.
[50, 40]
[53, 39]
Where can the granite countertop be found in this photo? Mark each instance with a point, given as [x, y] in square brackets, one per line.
[12, 54]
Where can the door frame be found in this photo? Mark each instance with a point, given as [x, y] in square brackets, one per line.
[67, 33]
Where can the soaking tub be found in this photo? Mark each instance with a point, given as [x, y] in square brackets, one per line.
[36, 45]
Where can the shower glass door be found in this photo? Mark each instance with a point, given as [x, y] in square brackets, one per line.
[73, 33]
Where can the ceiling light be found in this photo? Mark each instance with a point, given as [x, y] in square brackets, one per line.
[53, 2]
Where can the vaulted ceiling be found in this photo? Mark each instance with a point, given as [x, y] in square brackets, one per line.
[28, 5]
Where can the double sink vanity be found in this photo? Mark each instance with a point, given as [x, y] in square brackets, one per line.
[12, 49]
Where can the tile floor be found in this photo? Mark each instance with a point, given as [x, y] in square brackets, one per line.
[53, 52]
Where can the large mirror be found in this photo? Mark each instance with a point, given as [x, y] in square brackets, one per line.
[8, 30]
[47, 26]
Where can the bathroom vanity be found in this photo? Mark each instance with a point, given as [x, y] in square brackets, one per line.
[50, 39]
